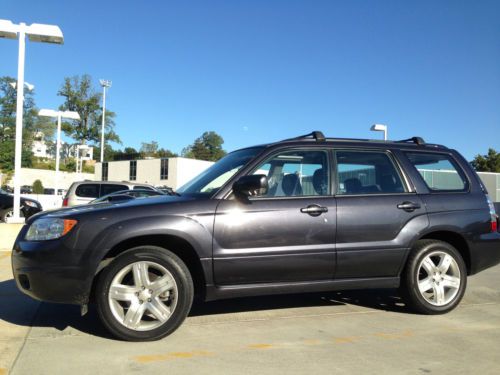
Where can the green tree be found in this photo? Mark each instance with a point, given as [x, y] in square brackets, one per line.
[207, 147]
[165, 153]
[149, 149]
[8, 101]
[80, 96]
[37, 187]
[487, 163]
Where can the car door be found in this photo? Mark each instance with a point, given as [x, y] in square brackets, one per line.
[288, 234]
[377, 214]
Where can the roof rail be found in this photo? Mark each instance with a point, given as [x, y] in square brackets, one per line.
[416, 140]
[317, 135]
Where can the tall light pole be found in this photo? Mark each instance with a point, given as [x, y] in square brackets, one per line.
[59, 115]
[36, 33]
[105, 84]
[380, 128]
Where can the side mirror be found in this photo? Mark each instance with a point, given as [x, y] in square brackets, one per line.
[250, 186]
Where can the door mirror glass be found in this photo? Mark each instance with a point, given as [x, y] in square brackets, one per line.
[250, 186]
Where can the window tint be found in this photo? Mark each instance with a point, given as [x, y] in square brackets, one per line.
[111, 188]
[104, 172]
[360, 172]
[87, 191]
[143, 188]
[133, 170]
[296, 173]
[439, 171]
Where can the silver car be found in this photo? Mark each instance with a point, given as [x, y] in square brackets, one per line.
[83, 192]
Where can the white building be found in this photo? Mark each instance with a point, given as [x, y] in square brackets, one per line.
[39, 147]
[172, 172]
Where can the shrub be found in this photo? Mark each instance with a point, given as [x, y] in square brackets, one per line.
[37, 187]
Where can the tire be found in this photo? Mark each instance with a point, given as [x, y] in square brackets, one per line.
[435, 277]
[9, 212]
[149, 311]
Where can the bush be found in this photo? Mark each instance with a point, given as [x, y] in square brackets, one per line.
[37, 187]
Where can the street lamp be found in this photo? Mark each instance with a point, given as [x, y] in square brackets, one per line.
[28, 85]
[36, 33]
[105, 84]
[380, 128]
[59, 115]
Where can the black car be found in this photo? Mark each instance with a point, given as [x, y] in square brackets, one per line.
[28, 206]
[301, 215]
[125, 195]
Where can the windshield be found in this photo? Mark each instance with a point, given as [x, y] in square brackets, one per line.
[213, 178]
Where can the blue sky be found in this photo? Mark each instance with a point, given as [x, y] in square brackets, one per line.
[257, 71]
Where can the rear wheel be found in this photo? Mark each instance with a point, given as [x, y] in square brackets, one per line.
[435, 277]
[144, 294]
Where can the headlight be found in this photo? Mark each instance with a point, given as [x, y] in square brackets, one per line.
[49, 229]
[30, 203]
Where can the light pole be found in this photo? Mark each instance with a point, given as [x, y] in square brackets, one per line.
[105, 84]
[59, 115]
[36, 33]
[380, 128]
[28, 85]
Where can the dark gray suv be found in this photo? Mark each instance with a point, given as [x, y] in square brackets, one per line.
[300, 215]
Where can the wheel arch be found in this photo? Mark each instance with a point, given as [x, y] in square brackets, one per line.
[177, 245]
[456, 240]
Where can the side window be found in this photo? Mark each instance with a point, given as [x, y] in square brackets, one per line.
[87, 191]
[366, 172]
[111, 188]
[439, 171]
[296, 173]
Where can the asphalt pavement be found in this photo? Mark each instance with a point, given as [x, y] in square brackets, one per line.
[355, 332]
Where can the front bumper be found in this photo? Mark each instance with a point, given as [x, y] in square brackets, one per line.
[48, 271]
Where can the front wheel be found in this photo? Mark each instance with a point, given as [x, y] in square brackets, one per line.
[144, 294]
[435, 277]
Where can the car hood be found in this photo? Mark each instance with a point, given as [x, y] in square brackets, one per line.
[105, 207]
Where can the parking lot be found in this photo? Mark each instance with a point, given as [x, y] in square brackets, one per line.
[322, 333]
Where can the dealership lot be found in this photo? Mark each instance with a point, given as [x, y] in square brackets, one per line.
[323, 333]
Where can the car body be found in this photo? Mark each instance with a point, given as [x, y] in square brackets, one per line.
[28, 206]
[300, 215]
[123, 195]
[83, 192]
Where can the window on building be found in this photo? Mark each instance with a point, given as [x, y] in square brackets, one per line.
[439, 171]
[164, 169]
[133, 170]
[104, 174]
[361, 172]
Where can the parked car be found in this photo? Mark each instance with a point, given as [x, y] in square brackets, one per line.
[83, 192]
[28, 206]
[125, 195]
[301, 215]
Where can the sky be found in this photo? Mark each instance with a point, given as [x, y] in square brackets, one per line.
[259, 71]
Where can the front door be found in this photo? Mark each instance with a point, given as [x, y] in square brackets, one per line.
[287, 234]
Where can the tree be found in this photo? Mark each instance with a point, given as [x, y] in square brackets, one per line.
[149, 149]
[81, 97]
[8, 101]
[487, 163]
[165, 153]
[37, 187]
[207, 147]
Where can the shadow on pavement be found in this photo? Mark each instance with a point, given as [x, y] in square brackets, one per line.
[18, 309]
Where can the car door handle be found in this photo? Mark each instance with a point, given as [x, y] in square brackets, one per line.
[314, 210]
[408, 206]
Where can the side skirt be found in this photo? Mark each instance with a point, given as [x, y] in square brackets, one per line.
[247, 290]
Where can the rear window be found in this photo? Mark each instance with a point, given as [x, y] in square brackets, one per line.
[111, 188]
[143, 188]
[439, 171]
[87, 191]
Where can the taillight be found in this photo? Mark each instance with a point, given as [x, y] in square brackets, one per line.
[493, 214]
[65, 202]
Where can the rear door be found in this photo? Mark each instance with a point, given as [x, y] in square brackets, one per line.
[377, 214]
